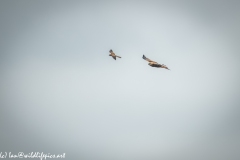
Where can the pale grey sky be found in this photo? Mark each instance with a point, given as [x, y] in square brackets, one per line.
[61, 92]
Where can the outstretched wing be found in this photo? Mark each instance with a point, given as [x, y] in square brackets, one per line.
[112, 53]
[114, 57]
[147, 59]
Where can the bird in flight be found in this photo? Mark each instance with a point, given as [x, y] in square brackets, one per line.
[113, 54]
[154, 64]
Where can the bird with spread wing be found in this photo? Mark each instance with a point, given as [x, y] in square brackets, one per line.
[113, 55]
[154, 64]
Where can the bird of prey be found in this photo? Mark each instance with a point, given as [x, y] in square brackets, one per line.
[113, 55]
[154, 64]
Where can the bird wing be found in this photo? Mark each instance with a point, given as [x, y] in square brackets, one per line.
[114, 57]
[112, 53]
[147, 59]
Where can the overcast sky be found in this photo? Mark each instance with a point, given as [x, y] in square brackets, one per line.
[62, 93]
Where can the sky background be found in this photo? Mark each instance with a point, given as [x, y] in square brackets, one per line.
[62, 93]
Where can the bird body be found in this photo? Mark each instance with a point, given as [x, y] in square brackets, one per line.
[113, 55]
[154, 64]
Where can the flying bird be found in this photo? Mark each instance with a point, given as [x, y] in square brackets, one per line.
[113, 54]
[154, 64]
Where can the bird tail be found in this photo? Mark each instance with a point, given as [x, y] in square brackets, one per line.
[118, 56]
[166, 67]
